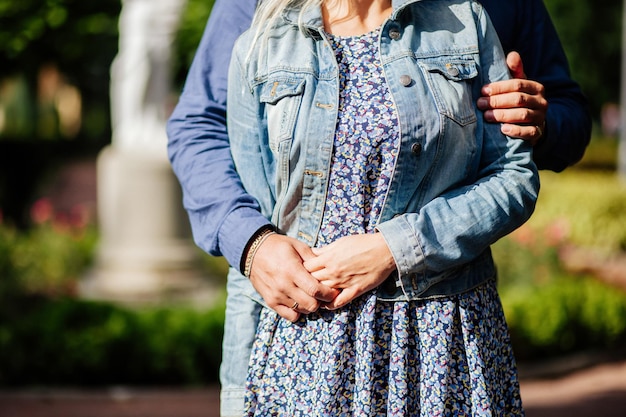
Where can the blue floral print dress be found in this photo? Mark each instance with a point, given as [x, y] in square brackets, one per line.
[443, 357]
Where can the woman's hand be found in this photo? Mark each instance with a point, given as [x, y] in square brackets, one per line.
[279, 277]
[353, 264]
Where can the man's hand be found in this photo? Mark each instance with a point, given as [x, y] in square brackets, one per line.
[355, 264]
[519, 104]
[280, 278]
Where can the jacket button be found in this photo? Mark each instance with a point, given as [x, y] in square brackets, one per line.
[394, 34]
[453, 71]
[405, 80]
[416, 148]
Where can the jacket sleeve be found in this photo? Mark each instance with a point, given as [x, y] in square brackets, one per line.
[223, 216]
[460, 224]
[525, 26]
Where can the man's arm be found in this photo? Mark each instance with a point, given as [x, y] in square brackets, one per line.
[224, 218]
[525, 26]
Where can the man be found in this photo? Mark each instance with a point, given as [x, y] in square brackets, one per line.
[225, 219]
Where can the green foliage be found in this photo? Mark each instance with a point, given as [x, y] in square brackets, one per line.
[49, 337]
[550, 311]
[567, 314]
[601, 154]
[591, 35]
[47, 259]
[34, 33]
[64, 31]
[26, 21]
[589, 206]
[73, 342]
[189, 34]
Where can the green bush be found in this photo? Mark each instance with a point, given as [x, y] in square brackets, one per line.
[570, 314]
[72, 342]
[590, 206]
[48, 258]
[49, 338]
[551, 311]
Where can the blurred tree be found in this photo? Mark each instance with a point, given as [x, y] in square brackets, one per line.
[74, 39]
[621, 153]
[191, 29]
[590, 31]
[78, 37]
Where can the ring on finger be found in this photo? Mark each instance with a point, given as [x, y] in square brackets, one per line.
[294, 306]
[539, 130]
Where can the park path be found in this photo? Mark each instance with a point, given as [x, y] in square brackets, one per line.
[597, 391]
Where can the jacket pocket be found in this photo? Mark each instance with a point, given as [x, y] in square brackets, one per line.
[282, 97]
[450, 80]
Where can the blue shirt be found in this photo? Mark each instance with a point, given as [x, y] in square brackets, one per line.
[224, 217]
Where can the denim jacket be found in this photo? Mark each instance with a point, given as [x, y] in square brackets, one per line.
[458, 183]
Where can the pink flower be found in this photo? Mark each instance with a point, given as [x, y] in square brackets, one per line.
[557, 232]
[41, 211]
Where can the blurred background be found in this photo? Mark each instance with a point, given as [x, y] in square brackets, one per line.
[562, 276]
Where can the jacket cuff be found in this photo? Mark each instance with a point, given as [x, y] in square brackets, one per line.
[403, 244]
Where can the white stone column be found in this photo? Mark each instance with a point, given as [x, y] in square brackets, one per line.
[145, 252]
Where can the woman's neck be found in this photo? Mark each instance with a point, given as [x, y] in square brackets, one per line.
[354, 17]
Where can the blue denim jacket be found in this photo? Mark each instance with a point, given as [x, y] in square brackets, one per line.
[224, 217]
[458, 184]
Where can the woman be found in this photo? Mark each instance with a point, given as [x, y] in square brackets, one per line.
[353, 124]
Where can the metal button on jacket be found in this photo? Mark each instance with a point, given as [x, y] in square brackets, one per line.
[394, 34]
[416, 148]
[405, 80]
[453, 71]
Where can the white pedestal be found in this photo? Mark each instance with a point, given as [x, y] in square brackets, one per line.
[145, 252]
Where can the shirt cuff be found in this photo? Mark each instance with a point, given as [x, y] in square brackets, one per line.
[236, 231]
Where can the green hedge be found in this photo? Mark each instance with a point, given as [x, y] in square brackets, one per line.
[73, 342]
[551, 311]
[48, 337]
[566, 316]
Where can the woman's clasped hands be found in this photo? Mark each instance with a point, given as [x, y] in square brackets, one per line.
[295, 279]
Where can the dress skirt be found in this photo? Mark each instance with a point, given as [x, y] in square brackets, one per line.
[441, 357]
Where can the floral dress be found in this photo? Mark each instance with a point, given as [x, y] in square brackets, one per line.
[443, 357]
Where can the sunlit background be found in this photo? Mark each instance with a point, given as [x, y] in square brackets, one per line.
[562, 276]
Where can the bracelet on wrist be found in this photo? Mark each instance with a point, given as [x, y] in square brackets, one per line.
[254, 247]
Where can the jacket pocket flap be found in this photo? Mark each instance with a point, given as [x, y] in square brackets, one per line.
[453, 69]
[276, 89]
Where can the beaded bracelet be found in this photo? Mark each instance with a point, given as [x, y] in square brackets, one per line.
[254, 247]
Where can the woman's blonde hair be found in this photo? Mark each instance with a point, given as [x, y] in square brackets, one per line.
[268, 13]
